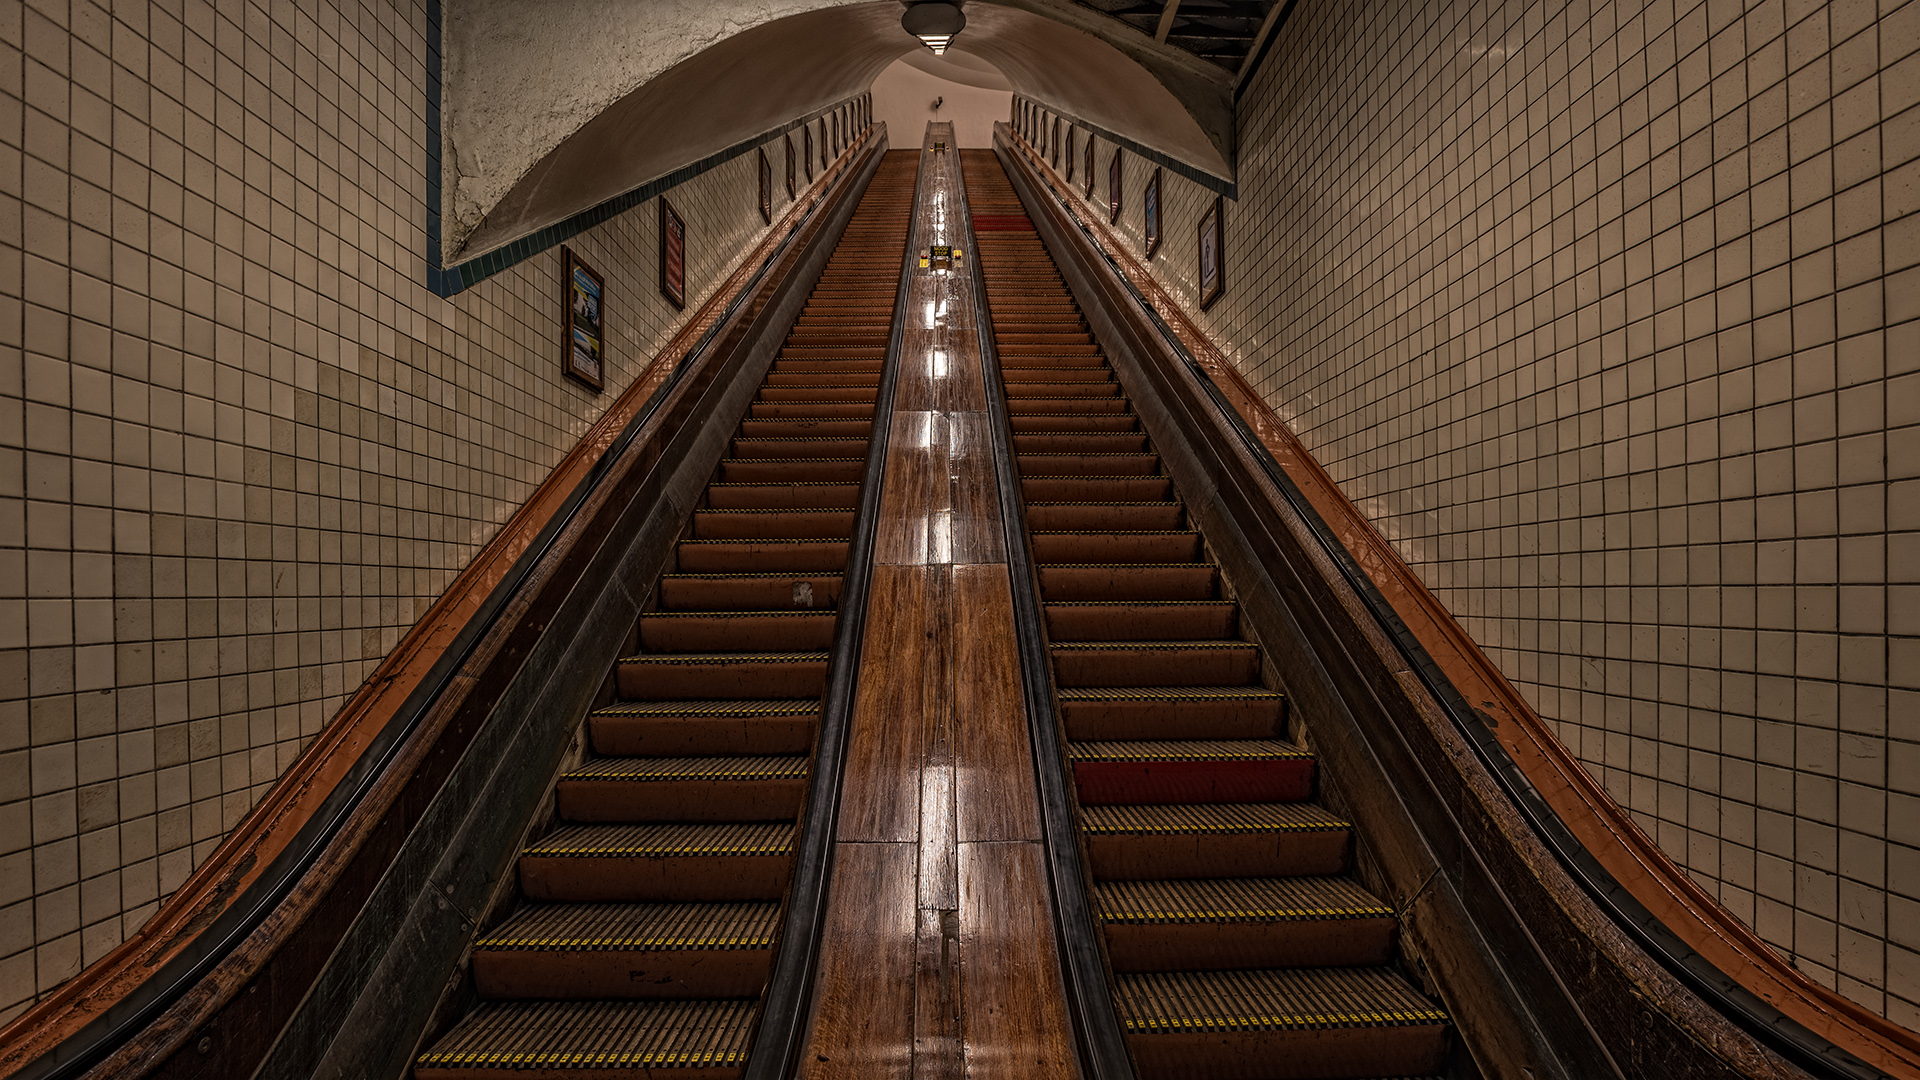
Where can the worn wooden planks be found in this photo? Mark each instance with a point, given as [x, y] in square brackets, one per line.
[939, 960]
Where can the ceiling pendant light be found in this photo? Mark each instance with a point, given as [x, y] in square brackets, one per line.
[935, 24]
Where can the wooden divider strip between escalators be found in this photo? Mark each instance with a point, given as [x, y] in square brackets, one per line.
[785, 1007]
[1083, 963]
[1600, 824]
[464, 626]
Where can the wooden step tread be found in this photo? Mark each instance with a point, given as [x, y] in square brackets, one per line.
[1185, 750]
[742, 709]
[1149, 646]
[1186, 1002]
[645, 769]
[808, 657]
[709, 925]
[1167, 693]
[558, 1036]
[655, 839]
[1234, 900]
[1208, 819]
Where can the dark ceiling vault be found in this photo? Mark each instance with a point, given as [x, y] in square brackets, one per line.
[1221, 32]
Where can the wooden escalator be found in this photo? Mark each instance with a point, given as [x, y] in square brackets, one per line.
[649, 911]
[1239, 941]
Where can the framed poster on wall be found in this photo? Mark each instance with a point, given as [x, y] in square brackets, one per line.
[1070, 138]
[1087, 178]
[792, 186]
[1213, 253]
[582, 321]
[1053, 142]
[1113, 188]
[673, 255]
[1150, 209]
[823, 144]
[806, 149]
[766, 187]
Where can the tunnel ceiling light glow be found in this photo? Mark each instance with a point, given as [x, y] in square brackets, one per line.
[934, 24]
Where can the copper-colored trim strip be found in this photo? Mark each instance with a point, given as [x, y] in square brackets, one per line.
[266, 832]
[1600, 823]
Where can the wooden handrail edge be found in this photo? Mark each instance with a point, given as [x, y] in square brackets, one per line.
[274, 823]
[1576, 797]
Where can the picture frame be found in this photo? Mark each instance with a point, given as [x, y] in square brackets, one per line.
[1088, 170]
[1150, 212]
[673, 255]
[583, 322]
[766, 187]
[1071, 133]
[793, 187]
[806, 150]
[1212, 255]
[1053, 143]
[1114, 178]
[823, 145]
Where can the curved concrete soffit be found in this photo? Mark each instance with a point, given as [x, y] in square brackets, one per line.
[549, 116]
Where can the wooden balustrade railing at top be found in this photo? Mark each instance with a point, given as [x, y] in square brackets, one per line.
[1599, 823]
[273, 825]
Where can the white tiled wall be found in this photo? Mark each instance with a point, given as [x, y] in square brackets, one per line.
[1608, 314]
[241, 445]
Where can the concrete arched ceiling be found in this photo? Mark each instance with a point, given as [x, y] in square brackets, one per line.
[552, 108]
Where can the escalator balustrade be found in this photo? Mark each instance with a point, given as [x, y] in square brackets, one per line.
[649, 912]
[1240, 942]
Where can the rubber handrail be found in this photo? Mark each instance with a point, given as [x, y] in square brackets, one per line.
[132, 1013]
[1779, 1032]
[784, 1009]
[1083, 966]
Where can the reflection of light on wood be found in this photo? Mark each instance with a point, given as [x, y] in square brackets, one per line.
[937, 363]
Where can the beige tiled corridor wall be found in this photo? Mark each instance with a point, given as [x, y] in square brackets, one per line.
[1606, 315]
[241, 445]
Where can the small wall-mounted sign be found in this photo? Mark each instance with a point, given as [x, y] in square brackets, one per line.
[673, 255]
[583, 321]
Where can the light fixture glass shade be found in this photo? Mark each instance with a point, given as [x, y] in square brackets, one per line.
[935, 24]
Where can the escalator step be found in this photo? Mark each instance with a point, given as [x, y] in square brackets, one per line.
[1155, 663]
[789, 470]
[704, 788]
[770, 524]
[581, 951]
[1103, 581]
[1214, 840]
[1228, 923]
[664, 728]
[1133, 546]
[1312, 1022]
[660, 861]
[747, 556]
[1190, 771]
[1062, 516]
[1110, 620]
[592, 1039]
[708, 631]
[743, 592]
[723, 675]
[785, 495]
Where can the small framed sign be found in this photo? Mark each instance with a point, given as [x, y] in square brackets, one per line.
[823, 144]
[1070, 138]
[673, 255]
[792, 184]
[1150, 208]
[806, 149]
[1113, 188]
[1053, 141]
[1088, 170]
[766, 187]
[583, 321]
[1213, 250]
